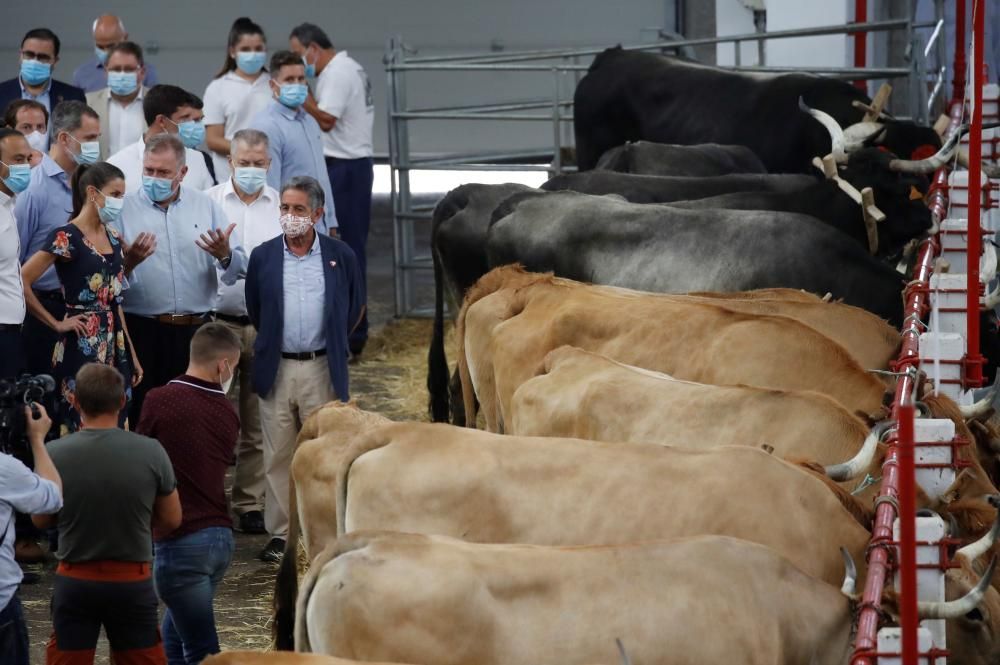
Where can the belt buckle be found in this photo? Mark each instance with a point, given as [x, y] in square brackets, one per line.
[309, 355]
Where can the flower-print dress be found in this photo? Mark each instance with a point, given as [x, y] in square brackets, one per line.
[92, 285]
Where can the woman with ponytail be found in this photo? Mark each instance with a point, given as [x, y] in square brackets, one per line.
[87, 254]
[239, 91]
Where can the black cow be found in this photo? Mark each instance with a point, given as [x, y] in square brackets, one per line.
[458, 241]
[631, 96]
[646, 157]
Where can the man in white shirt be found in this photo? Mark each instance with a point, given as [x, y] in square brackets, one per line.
[252, 205]
[166, 108]
[344, 110]
[120, 103]
[14, 155]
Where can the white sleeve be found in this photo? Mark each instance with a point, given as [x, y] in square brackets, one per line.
[25, 491]
[215, 112]
[334, 90]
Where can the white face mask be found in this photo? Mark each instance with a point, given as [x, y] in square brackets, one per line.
[228, 382]
[38, 141]
[295, 227]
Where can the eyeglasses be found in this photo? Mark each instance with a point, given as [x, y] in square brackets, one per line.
[40, 57]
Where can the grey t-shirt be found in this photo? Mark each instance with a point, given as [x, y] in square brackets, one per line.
[110, 480]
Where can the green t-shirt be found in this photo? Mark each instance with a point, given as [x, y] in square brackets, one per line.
[110, 480]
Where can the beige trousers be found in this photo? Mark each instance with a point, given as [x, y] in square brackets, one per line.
[248, 479]
[301, 387]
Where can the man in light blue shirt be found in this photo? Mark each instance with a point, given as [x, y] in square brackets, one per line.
[174, 289]
[108, 30]
[46, 206]
[295, 139]
[38, 492]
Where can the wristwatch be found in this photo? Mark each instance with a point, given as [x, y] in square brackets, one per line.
[224, 262]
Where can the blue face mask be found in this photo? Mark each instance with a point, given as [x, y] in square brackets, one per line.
[18, 178]
[157, 189]
[102, 55]
[191, 132]
[123, 83]
[250, 62]
[90, 151]
[310, 68]
[34, 72]
[111, 210]
[293, 95]
[250, 179]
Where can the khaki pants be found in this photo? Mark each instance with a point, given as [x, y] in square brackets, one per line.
[301, 387]
[248, 479]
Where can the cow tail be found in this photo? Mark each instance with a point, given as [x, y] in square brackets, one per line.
[437, 360]
[378, 439]
[287, 581]
[329, 553]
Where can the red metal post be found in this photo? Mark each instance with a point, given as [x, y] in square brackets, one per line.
[973, 364]
[908, 619]
[958, 70]
[861, 40]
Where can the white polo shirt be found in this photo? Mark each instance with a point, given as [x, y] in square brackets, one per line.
[126, 122]
[344, 91]
[11, 290]
[232, 101]
[129, 160]
[255, 224]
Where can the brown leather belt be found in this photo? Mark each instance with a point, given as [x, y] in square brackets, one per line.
[181, 319]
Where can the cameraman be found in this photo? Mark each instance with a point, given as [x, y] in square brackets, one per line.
[21, 490]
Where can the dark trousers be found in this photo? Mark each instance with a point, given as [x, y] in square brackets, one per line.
[13, 634]
[11, 358]
[37, 339]
[162, 349]
[351, 182]
[116, 595]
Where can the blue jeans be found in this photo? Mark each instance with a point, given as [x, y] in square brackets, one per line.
[13, 633]
[186, 572]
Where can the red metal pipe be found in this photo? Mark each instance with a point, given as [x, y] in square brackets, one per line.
[958, 70]
[861, 40]
[973, 365]
[909, 621]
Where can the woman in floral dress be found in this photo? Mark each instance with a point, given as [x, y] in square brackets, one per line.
[88, 256]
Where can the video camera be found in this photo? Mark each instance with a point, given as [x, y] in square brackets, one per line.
[14, 395]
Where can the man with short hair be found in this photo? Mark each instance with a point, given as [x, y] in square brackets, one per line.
[173, 291]
[345, 112]
[14, 178]
[304, 296]
[117, 487]
[119, 103]
[107, 30]
[167, 109]
[38, 57]
[23, 491]
[197, 426]
[47, 205]
[296, 143]
[31, 119]
[250, 203]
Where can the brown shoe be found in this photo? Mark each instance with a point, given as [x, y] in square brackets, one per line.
[28, 551]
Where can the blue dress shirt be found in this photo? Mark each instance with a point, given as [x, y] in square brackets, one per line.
[303, 317]
[296, 148]
[179, 277]
[91, 75]
[46, 204]
[44, 98]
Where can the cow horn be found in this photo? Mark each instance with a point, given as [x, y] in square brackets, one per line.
[982, 407]
[850, 573]
[992, 299]
[976, 549]
[935, 161]
[831, 126]
[862, 134]
[953, 609]
[858, 464]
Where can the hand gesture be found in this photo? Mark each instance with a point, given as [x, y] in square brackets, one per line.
[140, 250]
[40, 427]
[76, 323]
[216, 243]
[136, 372]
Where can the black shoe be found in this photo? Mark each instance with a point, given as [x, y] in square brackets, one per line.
[252, 522]
[273, 551]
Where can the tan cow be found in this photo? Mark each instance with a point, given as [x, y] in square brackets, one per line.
[512, 319]
[277, 658]
[485, 487]
[709, 599]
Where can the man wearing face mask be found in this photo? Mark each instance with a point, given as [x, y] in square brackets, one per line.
[120, 102]
[39, 55]
[250, 203]
[46, 205]
[167, 109]
[296, 143]
[31, 119]
[14, 176]
[107, 30]
[197, 426]
[173, 292]
[304, 296]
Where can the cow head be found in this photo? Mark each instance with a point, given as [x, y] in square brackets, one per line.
[906, 139]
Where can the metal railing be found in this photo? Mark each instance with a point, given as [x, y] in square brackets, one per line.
[565, 67]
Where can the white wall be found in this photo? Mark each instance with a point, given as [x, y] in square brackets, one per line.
[832, 50]
[186, 41]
